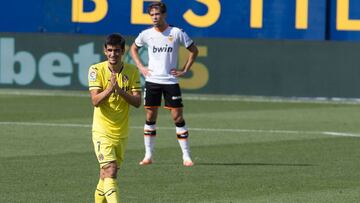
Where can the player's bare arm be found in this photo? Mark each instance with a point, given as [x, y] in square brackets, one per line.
[192, 56]
[134, 50]
[97, 95]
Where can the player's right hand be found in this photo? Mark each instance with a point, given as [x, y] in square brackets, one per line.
[113, 81]
[145, 71]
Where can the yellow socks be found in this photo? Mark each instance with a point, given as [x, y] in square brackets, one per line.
[111, 190]
[99, 192]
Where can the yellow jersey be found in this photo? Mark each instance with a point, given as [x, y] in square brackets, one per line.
[111, 117]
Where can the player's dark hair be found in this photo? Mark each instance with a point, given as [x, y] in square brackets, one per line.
[157, 5]
[115, 39]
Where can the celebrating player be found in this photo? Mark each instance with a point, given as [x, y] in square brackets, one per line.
[113, 86]
[161, 77]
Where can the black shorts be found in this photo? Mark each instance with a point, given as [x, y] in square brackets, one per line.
[153, 93]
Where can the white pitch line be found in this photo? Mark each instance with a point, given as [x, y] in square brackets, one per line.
[193, 97]
[46, 124]
[342, 134]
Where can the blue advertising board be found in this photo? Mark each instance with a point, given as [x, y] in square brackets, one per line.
[260, 19]
[270, 19]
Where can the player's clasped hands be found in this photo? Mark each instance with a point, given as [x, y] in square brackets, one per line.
[113, 82]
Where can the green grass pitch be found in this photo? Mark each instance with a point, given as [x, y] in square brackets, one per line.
[244, 151]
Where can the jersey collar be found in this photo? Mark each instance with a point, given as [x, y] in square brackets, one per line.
[121, 68]
[161, 30]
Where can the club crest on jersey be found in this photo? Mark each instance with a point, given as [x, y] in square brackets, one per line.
[125, 78]
[92, 76]
[171, 38]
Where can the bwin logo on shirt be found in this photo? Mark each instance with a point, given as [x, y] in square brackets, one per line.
[162, 49]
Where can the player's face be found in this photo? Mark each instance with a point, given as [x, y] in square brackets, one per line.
[113, 54]
[157, 17]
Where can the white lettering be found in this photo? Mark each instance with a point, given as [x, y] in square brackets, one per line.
[85, 58]
[26, 72]
[55, 69]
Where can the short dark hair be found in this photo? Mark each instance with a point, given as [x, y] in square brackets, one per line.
[158, 5]
[115, 39]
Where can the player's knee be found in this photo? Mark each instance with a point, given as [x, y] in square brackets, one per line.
[110, 170]
[151, 114]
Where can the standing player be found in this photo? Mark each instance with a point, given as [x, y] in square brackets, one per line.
[113, 86]
[161, 75]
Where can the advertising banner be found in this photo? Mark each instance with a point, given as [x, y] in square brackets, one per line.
[223, 66]
[265, 19]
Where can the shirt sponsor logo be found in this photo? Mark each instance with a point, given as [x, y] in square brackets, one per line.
[165, 48]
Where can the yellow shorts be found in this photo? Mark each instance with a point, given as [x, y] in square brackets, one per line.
[107, 150]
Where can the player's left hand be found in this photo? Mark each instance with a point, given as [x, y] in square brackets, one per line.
[177, 73]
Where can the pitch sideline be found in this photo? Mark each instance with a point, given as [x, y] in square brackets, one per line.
[192, 97]
[233, 130]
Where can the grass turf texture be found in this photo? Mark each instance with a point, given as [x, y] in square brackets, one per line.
[244, 151]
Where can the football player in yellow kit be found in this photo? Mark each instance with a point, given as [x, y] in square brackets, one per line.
[113, 86]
